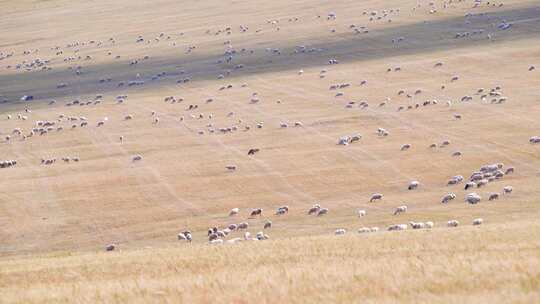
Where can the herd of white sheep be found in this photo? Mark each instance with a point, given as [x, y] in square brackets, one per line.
[61, 123]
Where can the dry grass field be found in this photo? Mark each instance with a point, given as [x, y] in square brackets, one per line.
[55, 220]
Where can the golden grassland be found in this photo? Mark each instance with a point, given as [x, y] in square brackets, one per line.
[497, 263]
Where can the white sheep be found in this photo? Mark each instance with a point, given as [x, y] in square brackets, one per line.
[448, 197]
[361, 213]
[508, 189]
[478, 221]
[452, 223]
[234, 211]
[340, 232]
[417, 225]
[400, 209]
[364, 230]
[473, 198]
[413, 185]
[429, 224]
[397, 227]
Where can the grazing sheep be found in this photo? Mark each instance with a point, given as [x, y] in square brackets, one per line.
[448, 197]
[452, 223]
[136, 158]
[469, 185]
[405, 147]
[417, 225]
[397, 227]
[477, 222]
[252, 151]
[268, 224]
[473, 198]
[110, 247]
[322, 211]
[340, 232]
[508, 189]
[376, 196]
[243, 225]
[509, 170]
[361, 213]
[232, 227]
[400, 209]
[413, 185]
[534, 140]
[261, 236]
[314, 209]
[364, 230]
[429, 224]
[282, 210]
[255, 212]
[234, 211]
[493, 196]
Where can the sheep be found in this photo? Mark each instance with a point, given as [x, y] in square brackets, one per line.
[376, 196]
[364, 230]
[509, 170]
[534, 140]
[247, 236]
[405, 147]
[255, 212]
[268, 224]
[234, 211]
[322, 211]
[469, 185]
[448, 197]
[397, 227]
[361, 213]
[455, 180]
[216, 242]
[482, 182]
[452, 223]
[478, 221]
[243, 225]
[282, 210]
[340, 232]
[110, 247]
[507, 189]
[232, 227]
[413, 185]
[429, 224]
[400, 209]
[252, 151]
[128, 117]
[457, 116]
[185, 236]
[314, 209]
[493, 196]
[261, 236]
[136, 158]
[473, 198]
[417, 225]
